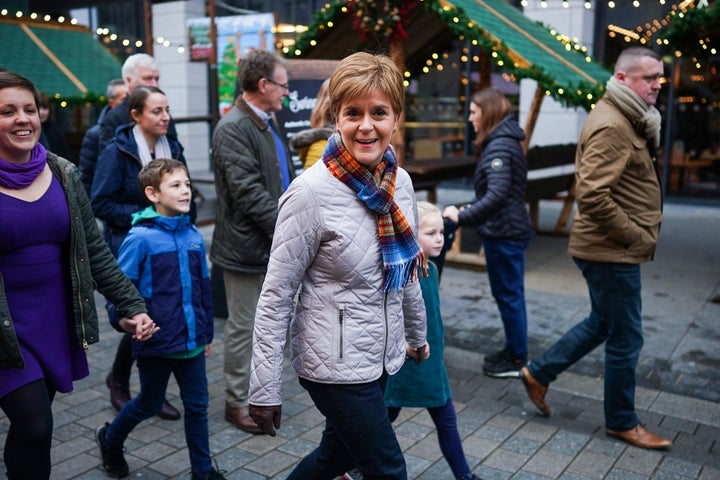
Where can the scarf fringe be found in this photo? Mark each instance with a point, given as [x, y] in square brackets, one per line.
[398, 275]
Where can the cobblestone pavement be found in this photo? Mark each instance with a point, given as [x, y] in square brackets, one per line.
[503, 436]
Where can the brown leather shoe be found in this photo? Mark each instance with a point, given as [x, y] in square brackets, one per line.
[119, 394]
[168, 412]
[535, 390]
[641, 437]
[241, 419]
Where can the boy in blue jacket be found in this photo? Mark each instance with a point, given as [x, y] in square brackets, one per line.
[164, 256]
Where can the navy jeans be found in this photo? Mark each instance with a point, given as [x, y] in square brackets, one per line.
[445, 421]
[616, 319]
[358, 434]
[505, 261]
[192, 380]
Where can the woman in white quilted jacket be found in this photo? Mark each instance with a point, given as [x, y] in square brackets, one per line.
[345, 238]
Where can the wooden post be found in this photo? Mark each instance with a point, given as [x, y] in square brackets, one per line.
[212, 66]
[532, 116]
[529, 128]
[147, 13]
[397, 54]
[485, 69]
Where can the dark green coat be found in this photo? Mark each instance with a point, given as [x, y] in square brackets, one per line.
[424, 385]
[248, 183]
[91, 265]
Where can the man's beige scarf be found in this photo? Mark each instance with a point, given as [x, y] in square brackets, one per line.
[644, 117]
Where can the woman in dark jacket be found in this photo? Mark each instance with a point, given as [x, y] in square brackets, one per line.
[501, 218]
[51, 257]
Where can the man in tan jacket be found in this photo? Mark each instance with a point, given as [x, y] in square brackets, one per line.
[614, 230]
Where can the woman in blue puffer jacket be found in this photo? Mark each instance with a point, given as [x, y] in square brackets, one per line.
[501, 219]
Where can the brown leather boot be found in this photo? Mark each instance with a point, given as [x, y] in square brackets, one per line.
[168, 412]
[241, 419]
[119, 394]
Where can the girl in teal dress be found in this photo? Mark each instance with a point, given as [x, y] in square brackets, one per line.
[425, 385]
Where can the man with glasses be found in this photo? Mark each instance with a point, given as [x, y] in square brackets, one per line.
[615, 229]
[252, 169]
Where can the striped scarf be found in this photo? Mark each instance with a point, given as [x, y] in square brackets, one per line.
[400, 250]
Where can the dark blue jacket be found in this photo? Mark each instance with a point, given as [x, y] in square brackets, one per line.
[116, 194]
[500, 181]
[165, 259]
[89, 151]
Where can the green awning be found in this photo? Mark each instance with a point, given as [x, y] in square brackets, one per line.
[532, 46]
[64, 62]
[519, 45]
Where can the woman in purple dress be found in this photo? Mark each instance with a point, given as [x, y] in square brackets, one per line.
[51, 258]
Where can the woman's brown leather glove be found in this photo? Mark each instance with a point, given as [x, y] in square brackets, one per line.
[266, 417]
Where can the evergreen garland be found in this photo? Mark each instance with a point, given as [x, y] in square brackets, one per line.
[85, 100]
[696, 27]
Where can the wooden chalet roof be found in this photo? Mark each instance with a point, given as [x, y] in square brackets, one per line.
[64, 62]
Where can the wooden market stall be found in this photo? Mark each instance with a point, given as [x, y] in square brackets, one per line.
[413, 32]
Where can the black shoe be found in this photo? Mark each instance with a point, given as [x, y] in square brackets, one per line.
[113, 460]
[507, 366]
[497, 356]
[211, 475]
[353, 474]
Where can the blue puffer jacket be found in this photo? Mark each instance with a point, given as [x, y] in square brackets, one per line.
[500, 181]
[165, 259]
[116, 194]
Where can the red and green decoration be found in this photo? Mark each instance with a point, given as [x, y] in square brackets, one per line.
[385, 20]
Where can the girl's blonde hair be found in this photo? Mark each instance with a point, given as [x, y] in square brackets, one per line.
[425, 209]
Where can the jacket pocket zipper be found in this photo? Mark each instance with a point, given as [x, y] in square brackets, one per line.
[341, 319]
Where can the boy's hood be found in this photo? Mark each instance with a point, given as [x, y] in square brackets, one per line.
[150, 215]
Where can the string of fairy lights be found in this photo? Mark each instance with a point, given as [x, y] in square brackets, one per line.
[104, 34]
[640, 33]
[112, 39]
[651, 31]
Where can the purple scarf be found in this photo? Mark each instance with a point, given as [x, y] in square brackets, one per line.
[21, 175]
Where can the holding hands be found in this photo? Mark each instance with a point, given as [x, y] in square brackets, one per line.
[141, 326]
[452, 213]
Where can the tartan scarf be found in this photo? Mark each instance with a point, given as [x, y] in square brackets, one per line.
[400, 250]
